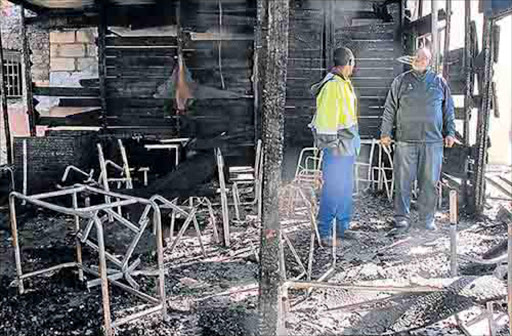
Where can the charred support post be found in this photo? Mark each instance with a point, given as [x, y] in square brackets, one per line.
[5, 111]
[447, 36]
[435, 35]
[260, 46]
[482, 142]
[468, 95]
[329, 33]
[102, 63]
[27, 65]
[275, 16]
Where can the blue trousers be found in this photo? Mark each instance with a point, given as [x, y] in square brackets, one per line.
[336, 197]
[421, 161]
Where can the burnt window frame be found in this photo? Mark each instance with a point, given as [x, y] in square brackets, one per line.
[13, 73]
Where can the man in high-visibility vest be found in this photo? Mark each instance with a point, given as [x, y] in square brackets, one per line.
[420, 106]
[336, 134]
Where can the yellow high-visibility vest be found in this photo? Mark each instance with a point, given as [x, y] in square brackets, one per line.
[336, 106]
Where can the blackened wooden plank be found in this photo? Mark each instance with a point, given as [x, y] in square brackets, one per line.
[304, 93]
[305, 63]
[369, 29]
[154, 52]
[376, 62]
[66, 91]
[138, 102]
[315, 52]
[359, 83]
[212, 53]
[370, 44]
[364, 82]
[213, 62]
[151, 72]
[90, 82]
[375, 72]
[363, 35]
[363, 111]
[319, 72]
[102, 63]
[79, 102]
[139, 41]
[152, 122]
[375, 53]
[127, 61]
[28, 79]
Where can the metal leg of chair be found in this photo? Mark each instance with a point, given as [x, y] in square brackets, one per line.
[236, 200]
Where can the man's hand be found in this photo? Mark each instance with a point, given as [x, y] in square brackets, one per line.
[449, 141]
[385, 141]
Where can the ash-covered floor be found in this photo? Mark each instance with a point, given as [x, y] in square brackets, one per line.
[217, 295]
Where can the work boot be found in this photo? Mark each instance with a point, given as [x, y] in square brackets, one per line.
[401, 224]
[399, 228]
[431, 226]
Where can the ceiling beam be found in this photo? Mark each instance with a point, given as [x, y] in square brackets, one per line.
[28, 5]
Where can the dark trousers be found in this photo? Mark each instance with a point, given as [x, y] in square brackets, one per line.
[421, 161]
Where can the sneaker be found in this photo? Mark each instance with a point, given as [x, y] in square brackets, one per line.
[431, 226]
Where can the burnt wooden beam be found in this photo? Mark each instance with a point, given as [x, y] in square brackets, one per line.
[329, 32]
[258, 65]
[469, 78]
[79, 102]
[66, 91]
[482, 143]
[90, 82]
[447, 37]
[142, 41]
[68, 19]
[27, 75]
[434, 47]
[102, 64]
[5, 110]
[30, 6]
[274, 96]
[423, 25]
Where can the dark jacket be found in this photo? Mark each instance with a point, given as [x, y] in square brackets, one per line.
[421, 108]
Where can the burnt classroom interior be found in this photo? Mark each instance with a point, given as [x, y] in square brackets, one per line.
[133, 98]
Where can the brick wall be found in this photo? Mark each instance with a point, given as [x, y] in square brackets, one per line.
[74, 51]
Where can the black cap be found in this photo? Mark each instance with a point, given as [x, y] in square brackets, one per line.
[343, 56]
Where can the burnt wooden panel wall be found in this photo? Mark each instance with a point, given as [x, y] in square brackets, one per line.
[376, 45]
[220, 59]
[317, 28]
[136, 67]
[305, 66]
[139, 67]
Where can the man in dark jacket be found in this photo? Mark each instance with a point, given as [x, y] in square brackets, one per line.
[420, 107]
